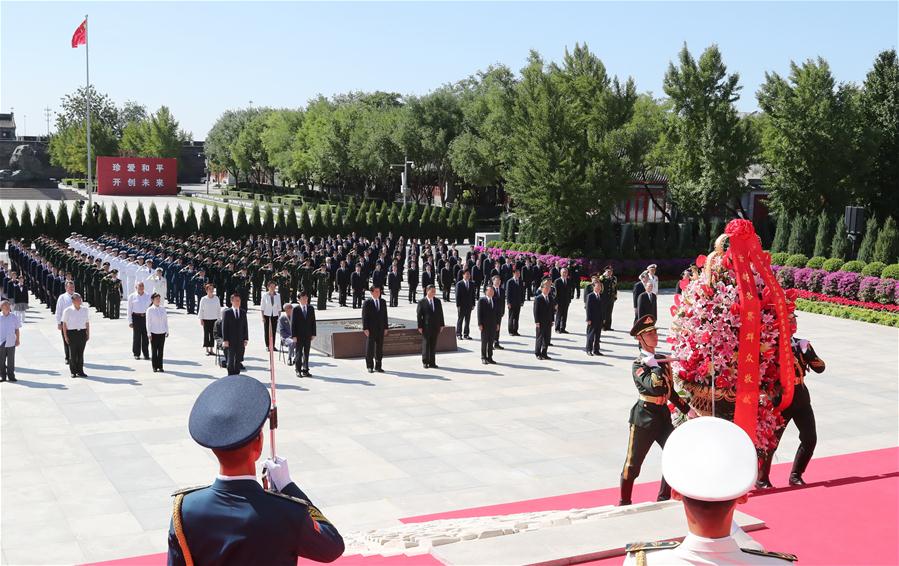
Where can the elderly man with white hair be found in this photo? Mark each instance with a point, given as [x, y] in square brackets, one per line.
[651, 274]
[285, 332]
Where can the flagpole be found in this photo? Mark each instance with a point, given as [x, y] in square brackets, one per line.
[87, 74]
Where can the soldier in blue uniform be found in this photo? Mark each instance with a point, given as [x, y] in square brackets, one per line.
[234, 520]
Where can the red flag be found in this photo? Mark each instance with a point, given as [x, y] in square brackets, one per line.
[80, 35]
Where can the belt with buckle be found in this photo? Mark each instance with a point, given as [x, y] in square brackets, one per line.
[655, 400]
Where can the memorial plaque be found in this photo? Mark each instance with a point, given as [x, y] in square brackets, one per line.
[343, 338]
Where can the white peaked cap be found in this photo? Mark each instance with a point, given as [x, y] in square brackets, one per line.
[710, 459]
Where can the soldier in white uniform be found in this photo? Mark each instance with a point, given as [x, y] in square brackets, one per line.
[710, 464]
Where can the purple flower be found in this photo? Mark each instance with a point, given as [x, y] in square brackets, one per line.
[867, 289]
[885, 291]
[841, 284]
[785, 276]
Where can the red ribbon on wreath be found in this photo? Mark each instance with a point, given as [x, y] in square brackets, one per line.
[745, 253]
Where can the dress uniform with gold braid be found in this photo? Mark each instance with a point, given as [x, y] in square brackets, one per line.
[650, 418]
[708, 460]
[234, 520]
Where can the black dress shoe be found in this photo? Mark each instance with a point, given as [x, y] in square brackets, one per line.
[74, 375]
[146, 357]
[379, 370]
[427, 366]
[467, 337]
[435, 366]
[546, 358]
[161, 370]
[12, 379]
[795, 479]
[490, 361]
[371, 370]
[82, 374]
[135, 357]
[484, 361]
[498, 347]
[589, 353]
[763, 484]
[298, 373]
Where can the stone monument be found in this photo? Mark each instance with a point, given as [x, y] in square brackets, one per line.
[25, 169]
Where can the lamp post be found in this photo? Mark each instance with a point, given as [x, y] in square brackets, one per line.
[406, 164]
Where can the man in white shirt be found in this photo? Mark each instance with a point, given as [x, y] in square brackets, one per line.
[76, 331]
[156, 284]
[138, 303]
[271, 309]
[711, 464]
[144, 270]
[651, 271]
[63, 302]
[9, 341]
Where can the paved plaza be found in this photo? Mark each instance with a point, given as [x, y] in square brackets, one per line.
[88, 464]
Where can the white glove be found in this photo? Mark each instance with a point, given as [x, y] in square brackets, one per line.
[278, 473]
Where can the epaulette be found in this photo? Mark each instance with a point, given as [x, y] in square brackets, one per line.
[186, 490]
[781, 555]
[660, 545]
[299, 500]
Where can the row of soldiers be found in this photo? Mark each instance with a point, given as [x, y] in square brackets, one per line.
[348, 265]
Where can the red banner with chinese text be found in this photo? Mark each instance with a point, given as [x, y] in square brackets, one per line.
[137, 176]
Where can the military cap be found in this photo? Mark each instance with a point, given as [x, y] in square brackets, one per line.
[710, 459]
[229, 413]
[643, 324]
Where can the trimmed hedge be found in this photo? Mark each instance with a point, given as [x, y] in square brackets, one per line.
[779, 258]
[890, 272]
[854, 266]
[816, 262]
[853, 313]
[832, 264]
[797, 260]
[873, 269]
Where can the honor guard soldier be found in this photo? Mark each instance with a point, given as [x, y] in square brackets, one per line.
[800, 411]
[711, 466]
[610, 293]
[650, 418]
[235, 520]
[322, 286]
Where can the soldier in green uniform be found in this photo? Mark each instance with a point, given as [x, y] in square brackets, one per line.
[306, 278]
[650, 418]
[113, 294]
[610, 294]
[322, 284]
[254, 271]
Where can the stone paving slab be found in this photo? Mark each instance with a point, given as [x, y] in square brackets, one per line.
[368, 448]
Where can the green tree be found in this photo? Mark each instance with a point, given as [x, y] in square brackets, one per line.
[50, 224]
[709, 146]
[248, 152]
[866, 249]
[4, 232]
[229, 229]
[802, 235]
[153, 224]
[155, 136]
[887, 246]
[63, 228]
[180, 227]
[279, 138]
[810, 138]
[781, 233]
[255, 223]
[74, 220]
[371, 220]
[127, 222]
[241, 224]
[880, 107]
[168, 224]
[26, 227]
[115, 220]
[471, 225]
[268, 223]
[292, 226]
[205, 226]
[316, 223]
[37, 223]
[190, 221]
[281, 222]
[303, 222]
[564, 144]
[68, 146]
[222, 137]
[825, 234]
[338, 220]
[12, 225]
[839, 246]
[215, 222]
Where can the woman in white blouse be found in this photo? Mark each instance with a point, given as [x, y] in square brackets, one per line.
[210, 310]
[158, 328]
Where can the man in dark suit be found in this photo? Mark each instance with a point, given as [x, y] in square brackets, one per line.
[235, 334]
[596, 313]
[234, 520]
[303, 331]
[378, 277]
[515, 293]
[488, 324]
[427, 277]
[343, 283]
[544, 308]
[564, 292]
[358, 282]
[639, 289]
[465, 297]
[393, 283]
[412, 277]
[446, 281]
[499, 305]
[430, 322]
[374, 326]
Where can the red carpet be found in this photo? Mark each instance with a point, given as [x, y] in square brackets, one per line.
[848, 514]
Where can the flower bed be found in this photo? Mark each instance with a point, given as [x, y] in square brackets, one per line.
[841, 287]
[624, 268]
[812, 296]
[855, 313]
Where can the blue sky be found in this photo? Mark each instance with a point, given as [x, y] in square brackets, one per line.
[202, 58]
